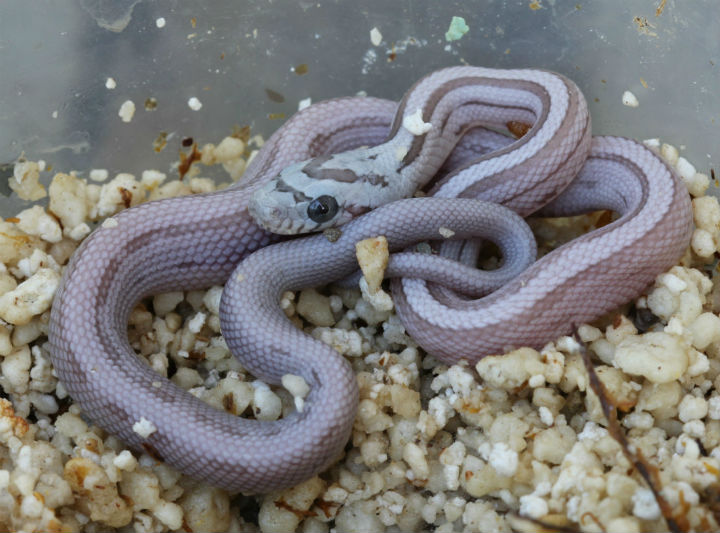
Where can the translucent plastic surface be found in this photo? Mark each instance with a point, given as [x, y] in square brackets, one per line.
[250, 62]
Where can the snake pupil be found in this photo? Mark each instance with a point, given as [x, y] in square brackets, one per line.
[322, 209]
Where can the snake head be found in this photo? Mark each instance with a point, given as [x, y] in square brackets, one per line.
[293, 203]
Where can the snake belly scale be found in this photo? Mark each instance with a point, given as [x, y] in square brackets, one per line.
[197, 241]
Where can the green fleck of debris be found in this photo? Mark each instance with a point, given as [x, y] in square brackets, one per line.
[457, 29]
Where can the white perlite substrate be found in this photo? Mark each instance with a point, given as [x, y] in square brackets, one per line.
[433, 447]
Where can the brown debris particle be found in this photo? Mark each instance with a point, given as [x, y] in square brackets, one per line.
[91, 445]
[592, 517]
[186, 160]
[151, 104]
[418, 483]
[617, 320]
[518, 129]
[274, 96]
[301, 69]
[710, 468]
[660, 8]
[228, 403]
[282, 504]
[326, 507]
[644, 26]
[197, 355]
[160, 142]
[152, 451]
[126, 196]
[242, 133]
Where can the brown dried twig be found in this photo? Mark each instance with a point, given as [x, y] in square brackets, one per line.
[648, 472]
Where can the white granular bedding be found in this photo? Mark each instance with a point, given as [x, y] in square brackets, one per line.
[433, 448]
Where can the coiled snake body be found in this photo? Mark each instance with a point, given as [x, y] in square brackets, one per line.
[197, 241]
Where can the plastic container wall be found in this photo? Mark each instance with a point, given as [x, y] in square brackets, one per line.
[250, 62]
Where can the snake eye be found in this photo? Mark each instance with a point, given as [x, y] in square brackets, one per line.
[322, 209]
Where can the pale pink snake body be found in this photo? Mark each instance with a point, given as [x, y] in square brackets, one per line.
[198, 241]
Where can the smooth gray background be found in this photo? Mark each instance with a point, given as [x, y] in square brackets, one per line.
[56, 56]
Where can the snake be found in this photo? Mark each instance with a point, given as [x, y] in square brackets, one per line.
[443, 136]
